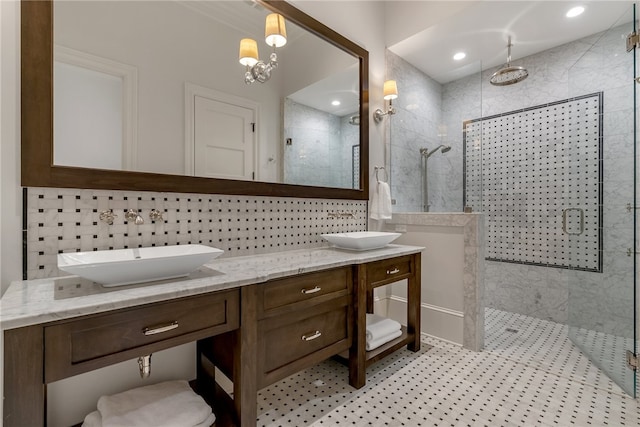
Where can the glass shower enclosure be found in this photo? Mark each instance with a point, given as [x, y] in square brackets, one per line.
[599, 203]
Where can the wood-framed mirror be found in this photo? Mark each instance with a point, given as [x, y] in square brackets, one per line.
[37, 111]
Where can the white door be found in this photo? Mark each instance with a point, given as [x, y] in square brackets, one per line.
[223, 140]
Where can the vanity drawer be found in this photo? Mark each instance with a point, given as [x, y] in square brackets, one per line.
[88, 343]
[284, 294]
[295, 341]
[388, 270]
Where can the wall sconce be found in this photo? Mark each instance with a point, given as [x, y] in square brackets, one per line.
[390, 92]
[275, 35]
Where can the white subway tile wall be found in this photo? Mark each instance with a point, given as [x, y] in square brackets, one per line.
[67, 220]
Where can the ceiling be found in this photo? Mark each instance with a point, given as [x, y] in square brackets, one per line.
[429, 33]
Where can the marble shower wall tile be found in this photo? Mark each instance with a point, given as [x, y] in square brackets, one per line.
[593, 64]
[320, 150]
[67, 220]
[415, 125]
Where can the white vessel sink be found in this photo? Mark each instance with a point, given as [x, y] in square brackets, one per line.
[361, 240]
[126, 266]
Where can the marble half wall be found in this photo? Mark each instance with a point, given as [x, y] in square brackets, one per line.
[452, 274]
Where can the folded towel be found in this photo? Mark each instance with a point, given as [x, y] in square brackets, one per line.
[208, 422]
[168, 404]
[372, 345]
[94, 419]
[381, 202]
[378, 326]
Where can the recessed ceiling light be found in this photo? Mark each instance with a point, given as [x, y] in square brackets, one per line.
[575, 11]
[460, 55]
[335, 103]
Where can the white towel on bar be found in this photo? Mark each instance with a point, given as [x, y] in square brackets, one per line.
[378, 326]
[372, 345]
[168, 404]
[381, 202]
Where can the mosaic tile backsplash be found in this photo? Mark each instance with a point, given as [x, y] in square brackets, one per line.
[67, 220]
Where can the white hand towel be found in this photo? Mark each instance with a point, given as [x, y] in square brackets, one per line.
[381, 202]
[378, 327]
[372, 345]
[167, 404]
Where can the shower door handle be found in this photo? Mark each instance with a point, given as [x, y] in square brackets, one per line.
[564, 221]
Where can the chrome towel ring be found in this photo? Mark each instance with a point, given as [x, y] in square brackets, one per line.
[385, 176]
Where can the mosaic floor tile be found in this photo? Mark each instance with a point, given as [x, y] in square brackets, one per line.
[534, 379]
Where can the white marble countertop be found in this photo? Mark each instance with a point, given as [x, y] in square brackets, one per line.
[44, 300]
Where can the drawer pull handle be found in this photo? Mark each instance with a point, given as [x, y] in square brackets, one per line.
[311, 291]
[394, 271]
[160, 329]
[315, 335]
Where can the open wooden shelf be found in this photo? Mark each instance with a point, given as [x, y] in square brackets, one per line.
[381, 352]
[217, 398]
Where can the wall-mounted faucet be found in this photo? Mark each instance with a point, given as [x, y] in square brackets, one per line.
[134, 216]
[341, 215]
[107, 216]
[155, 215]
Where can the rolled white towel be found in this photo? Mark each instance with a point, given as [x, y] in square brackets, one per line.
[167, 404]
[378, 326]
[208, 422]
[372, 345]
[94, 419]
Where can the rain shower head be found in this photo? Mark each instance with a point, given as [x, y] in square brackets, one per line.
[508, 75]
[426, 153]
[354, 120]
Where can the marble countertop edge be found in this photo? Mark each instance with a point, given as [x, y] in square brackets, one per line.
[32, 302]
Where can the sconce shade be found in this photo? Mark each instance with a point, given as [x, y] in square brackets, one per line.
[275, 33]
[390, 90]
[248, 52]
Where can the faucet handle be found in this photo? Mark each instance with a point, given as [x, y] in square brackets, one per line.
[134, 216]
[155, 215]
[107, 216]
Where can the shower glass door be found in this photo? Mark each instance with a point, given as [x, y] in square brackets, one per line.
[598, 218]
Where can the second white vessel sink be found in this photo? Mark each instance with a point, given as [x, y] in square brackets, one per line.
[361, 240]
[127, 266]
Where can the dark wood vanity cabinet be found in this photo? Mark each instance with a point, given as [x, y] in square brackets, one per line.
[302, 320]
[299, 321]
[256, 334]
[43, 353]
[88, 343]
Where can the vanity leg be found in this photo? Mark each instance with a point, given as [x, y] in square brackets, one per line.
[24, 391]
[358, 350]
[414, 303]
[245, 374]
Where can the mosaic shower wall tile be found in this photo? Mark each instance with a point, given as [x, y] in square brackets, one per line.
[540, 181]
[67, 220]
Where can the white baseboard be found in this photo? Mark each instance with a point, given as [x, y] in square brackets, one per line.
[438, 322]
